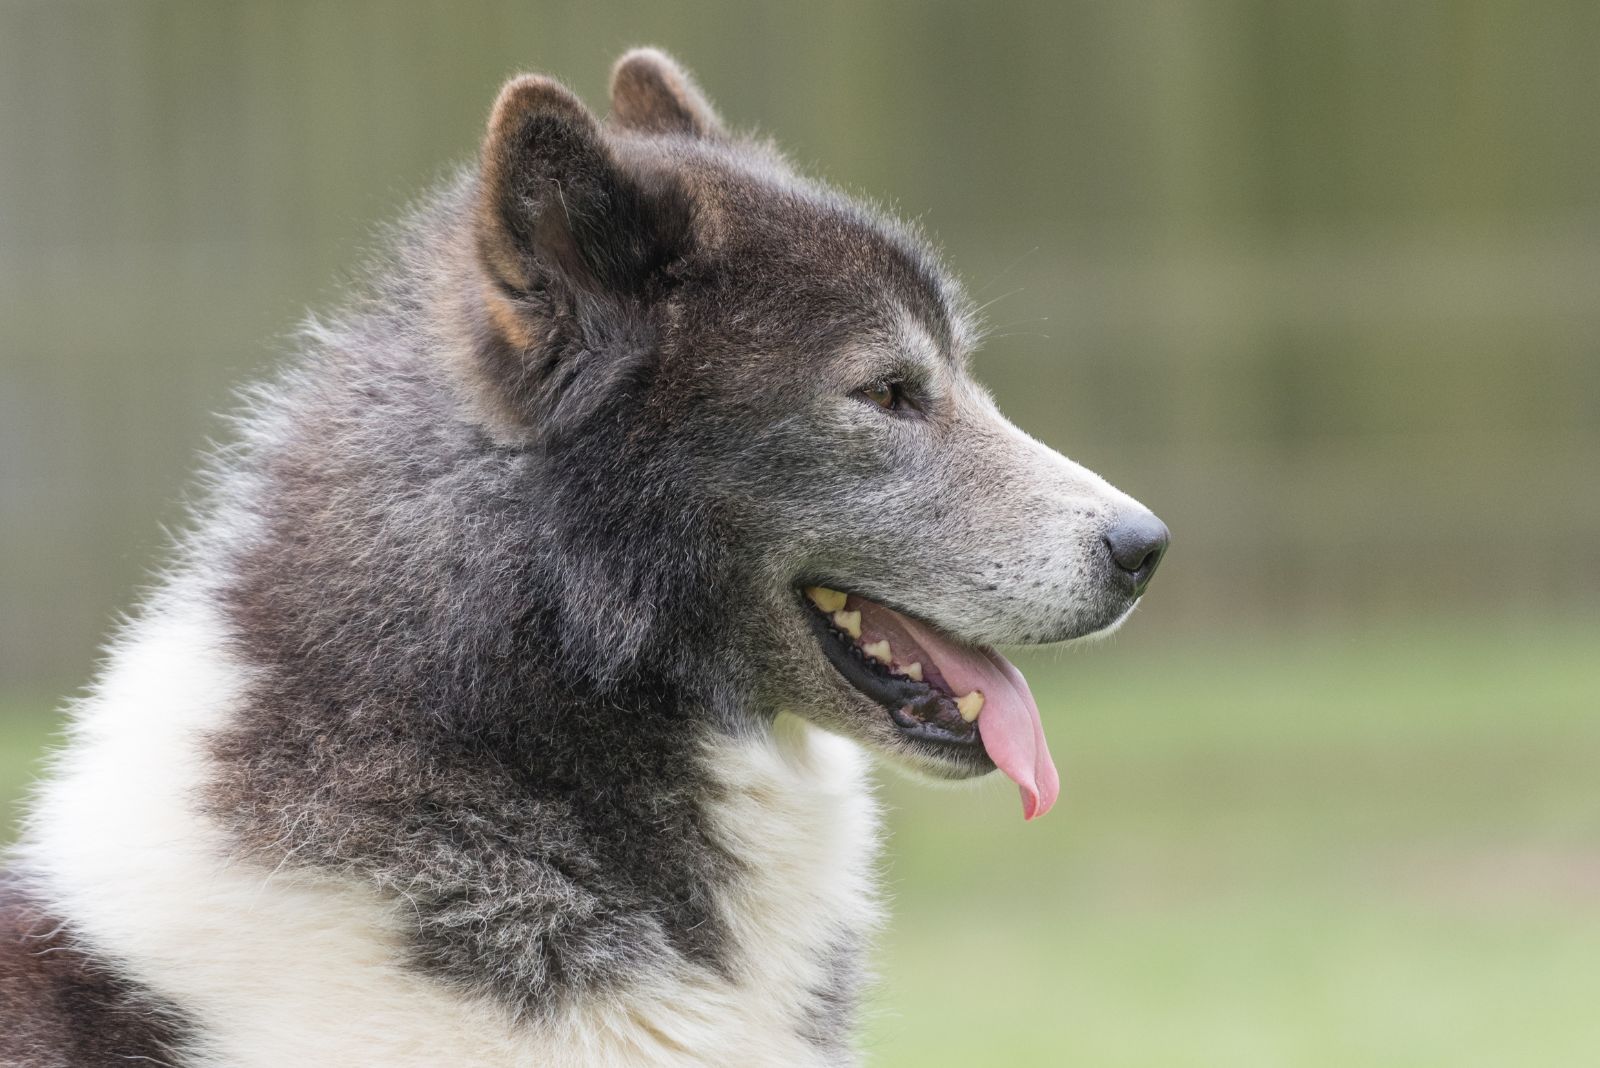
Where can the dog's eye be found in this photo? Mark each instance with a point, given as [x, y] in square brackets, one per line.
[885, 395]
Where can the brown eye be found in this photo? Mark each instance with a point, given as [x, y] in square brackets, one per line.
[885, 395]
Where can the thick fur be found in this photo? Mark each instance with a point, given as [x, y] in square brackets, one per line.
[60, 1002]
[293, 964]
[480, 721]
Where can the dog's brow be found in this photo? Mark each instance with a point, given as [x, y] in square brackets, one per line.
[917, 341]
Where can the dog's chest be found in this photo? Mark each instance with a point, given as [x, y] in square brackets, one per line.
[291, 966]
[793, 808]
[796, 812]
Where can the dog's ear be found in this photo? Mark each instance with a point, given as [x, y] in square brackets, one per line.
[573, 243]
[555, 211]
[652, 94]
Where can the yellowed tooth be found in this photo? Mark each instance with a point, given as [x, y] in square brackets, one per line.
[879, 651]
[849, 622]
[913, 671]
[829, 601]
[970, 705]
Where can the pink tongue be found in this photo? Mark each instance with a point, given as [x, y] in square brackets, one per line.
[1009, 723]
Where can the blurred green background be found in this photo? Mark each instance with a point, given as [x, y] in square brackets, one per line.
[1319, 281]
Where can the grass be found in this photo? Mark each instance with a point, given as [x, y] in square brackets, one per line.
[28, 726]
[1380, 850]
[1376, 850]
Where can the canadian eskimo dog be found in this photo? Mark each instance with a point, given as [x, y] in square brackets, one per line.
[508, 702]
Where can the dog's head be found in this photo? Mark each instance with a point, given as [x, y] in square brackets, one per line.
[696, 341]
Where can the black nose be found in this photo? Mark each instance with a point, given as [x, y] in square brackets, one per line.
[1137, 543]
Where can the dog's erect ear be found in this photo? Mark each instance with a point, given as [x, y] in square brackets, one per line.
[574, 241]
[652, 94]
[554, 208]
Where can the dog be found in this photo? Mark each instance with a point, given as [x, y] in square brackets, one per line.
[508, 702]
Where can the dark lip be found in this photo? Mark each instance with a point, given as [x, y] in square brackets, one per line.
[924, 715]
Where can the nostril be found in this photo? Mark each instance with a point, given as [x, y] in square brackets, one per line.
[1128, 563]
[1136, 544]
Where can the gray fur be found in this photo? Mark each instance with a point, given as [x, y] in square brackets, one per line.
[523, 530]
[63, 1005]
[829, 1021]
[485, 664]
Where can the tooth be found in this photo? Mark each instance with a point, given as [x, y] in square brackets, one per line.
[970, 705]
[913, 671]
[849, 622]
[879, 651]
[828, 600]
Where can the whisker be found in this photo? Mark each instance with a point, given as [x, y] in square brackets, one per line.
[1005, 271]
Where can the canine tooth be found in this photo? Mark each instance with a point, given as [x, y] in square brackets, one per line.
[829, 601]
[849, 622]
[970, 705]
[913, 671]
[879, 651]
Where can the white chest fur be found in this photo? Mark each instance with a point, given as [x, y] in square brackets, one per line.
[284, 968]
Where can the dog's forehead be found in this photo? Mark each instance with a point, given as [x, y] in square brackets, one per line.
[870, 272]
[868, 261]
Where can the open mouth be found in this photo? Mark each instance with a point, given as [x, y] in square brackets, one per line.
[966, 703]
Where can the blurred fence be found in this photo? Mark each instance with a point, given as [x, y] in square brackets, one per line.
[1318, 281]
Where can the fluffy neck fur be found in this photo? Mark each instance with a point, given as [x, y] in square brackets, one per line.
[467, 726]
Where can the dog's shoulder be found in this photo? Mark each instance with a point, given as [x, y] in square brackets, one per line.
[61, 1005]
